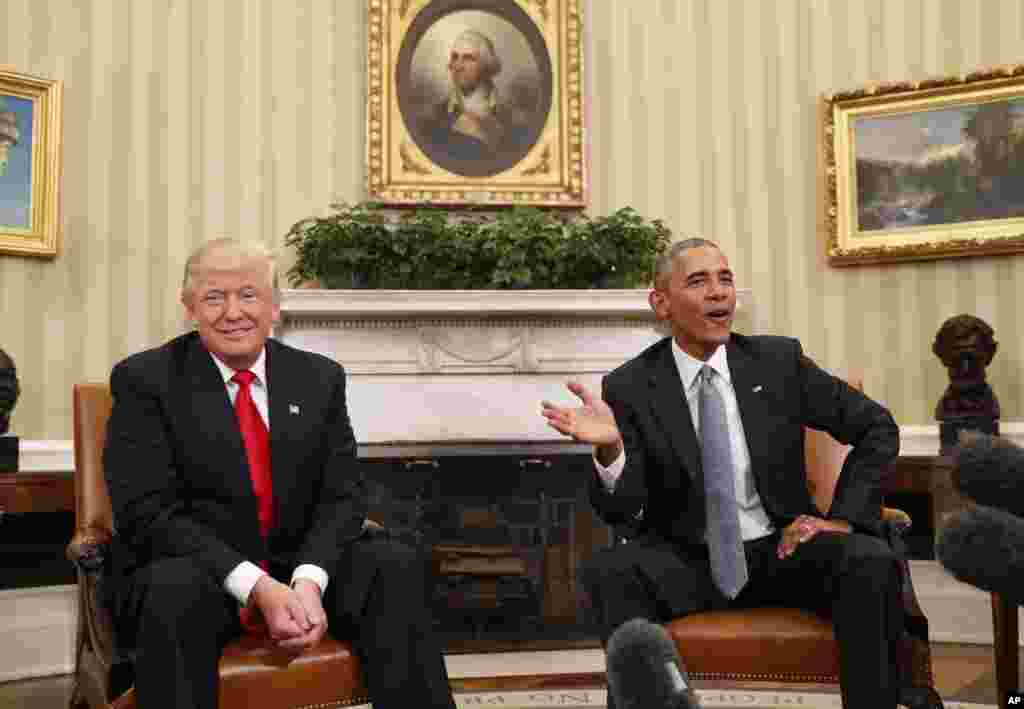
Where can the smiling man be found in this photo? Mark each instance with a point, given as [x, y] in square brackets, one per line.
[239, 504]
[699, 457]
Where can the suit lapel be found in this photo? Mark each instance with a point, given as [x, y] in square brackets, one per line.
[207, 394]
[670, 407]
[285, 413]
[748, 383]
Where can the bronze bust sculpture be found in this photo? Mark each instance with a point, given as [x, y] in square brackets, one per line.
[9, 390]
[966, 345]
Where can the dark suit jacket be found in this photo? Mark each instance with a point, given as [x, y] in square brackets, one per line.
[178, 475]
[779, 391]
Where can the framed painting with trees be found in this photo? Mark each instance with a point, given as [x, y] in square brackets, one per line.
[925, 170]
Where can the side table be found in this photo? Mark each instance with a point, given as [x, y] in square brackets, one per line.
[37, 492]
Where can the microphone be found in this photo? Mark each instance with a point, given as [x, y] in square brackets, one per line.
[990, 471]
[984, 547]
[645, 670]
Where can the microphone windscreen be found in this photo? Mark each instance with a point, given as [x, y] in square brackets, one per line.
[990, 471]
[984, 547]
[645, 670]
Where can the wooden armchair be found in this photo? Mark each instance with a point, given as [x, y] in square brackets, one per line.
[791, 645]
[251, 674]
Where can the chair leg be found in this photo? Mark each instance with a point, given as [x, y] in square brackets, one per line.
[77, 702]
[920, 698]
[1005, 644]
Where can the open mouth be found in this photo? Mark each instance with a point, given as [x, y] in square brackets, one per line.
[720, 316]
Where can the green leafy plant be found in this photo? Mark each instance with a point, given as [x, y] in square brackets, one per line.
[370, 245]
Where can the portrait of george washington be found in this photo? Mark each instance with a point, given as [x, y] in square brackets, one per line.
[474, 84]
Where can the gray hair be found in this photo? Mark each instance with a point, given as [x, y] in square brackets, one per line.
[227, 253]
[490, 64]
[666, 262]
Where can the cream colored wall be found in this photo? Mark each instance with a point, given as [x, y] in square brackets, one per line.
[190, 119]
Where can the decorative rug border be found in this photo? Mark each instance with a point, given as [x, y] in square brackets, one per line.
[596, 698]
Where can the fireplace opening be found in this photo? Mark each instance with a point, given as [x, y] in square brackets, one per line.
[505, 536]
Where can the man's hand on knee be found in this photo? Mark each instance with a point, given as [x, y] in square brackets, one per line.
[804, 528]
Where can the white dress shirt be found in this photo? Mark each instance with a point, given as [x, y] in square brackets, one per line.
[754, 522]
[239, 583]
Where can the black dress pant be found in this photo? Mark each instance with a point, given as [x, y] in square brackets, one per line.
[853, 578]
[179, 620]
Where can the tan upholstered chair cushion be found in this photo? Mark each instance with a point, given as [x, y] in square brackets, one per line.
[758, 644]
[253, 676]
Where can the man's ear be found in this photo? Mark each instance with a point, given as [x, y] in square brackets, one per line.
[186, 304]
[659, 303]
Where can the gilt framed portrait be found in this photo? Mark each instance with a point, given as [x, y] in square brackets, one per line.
[925, 170]
[30, 164]
[476, 102]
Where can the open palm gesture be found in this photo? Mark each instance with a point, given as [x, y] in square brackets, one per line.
[591, 423]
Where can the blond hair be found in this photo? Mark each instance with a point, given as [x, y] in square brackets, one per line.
[227, 254]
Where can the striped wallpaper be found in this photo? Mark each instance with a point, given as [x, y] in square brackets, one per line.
[191, 119]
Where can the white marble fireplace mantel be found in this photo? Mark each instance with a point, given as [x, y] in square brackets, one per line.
[436, 369]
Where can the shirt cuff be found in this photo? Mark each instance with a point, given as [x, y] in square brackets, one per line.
[312, 572]
[241, 580]
[611, 474]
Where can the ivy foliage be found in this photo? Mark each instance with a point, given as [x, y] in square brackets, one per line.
[369, 245]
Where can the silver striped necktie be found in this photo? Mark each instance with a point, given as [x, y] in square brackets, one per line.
[725, 544]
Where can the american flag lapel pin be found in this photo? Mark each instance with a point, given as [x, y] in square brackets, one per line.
[293, 409]
[758, 388]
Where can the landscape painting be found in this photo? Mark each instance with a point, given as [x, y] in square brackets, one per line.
[926, 169]
[943, 166]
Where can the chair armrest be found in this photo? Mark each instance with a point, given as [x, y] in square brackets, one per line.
[88, 548]
[897, 521]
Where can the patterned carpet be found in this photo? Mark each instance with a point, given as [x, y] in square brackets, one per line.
[565, 692]
[709, 698]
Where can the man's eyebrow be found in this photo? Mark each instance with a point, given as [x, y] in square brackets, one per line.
[707, 272]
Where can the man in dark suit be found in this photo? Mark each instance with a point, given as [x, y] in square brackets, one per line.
[238, 501]
[699, 451]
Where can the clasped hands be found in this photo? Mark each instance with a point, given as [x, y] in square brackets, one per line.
[594, 423]
[294, 616]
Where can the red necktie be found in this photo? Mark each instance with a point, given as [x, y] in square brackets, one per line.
[257, 448]
[257, 451]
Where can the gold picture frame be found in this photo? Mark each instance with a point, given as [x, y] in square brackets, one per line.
[507, 130]
[30, 164]
[925, 170]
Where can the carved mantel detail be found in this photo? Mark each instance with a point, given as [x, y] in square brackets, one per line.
[452, 366]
